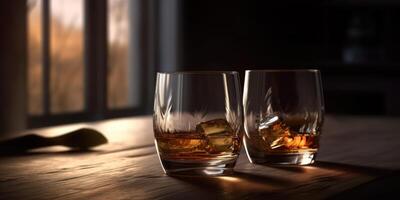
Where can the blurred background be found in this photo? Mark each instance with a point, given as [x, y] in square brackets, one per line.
[65, 61]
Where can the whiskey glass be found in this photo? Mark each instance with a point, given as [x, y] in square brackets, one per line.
[198, 122]
[283, 115]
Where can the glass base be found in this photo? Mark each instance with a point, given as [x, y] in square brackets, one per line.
[179, 168]
[304, 158]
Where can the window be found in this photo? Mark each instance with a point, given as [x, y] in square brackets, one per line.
[120, 75]
[66, 50]
[35, 88]
[71, 75]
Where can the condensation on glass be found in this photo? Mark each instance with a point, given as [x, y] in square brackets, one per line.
[34, 33]
[66, 56]
[122, 86]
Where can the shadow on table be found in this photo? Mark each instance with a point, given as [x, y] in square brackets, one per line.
[277, 181]
[79, 141]
[384, 187]
[71, 151]
[239, 185]
[49, 152]
[332, 166]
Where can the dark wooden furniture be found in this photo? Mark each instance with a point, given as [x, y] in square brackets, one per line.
[356, 153]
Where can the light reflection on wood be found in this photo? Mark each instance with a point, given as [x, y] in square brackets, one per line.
[128, 168]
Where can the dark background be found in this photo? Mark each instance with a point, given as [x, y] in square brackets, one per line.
[354, 44]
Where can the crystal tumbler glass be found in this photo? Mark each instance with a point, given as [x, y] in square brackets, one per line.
[283, 115]
[198, 122]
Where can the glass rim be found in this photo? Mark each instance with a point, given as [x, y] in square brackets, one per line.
[198, 72]
[282, 70]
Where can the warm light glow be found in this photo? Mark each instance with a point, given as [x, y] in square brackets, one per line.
[123, 132]
[307, 158]
[229, 178]
[213, 171]
[58, 130]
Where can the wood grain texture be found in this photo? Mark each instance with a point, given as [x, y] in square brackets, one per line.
[353, 152]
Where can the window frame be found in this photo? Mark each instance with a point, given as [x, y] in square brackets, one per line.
[95, 64]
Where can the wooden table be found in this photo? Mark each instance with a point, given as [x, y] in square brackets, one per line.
[356, 154]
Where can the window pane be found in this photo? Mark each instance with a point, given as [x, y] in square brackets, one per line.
[122, 92]
[35, 95]
[67, 65]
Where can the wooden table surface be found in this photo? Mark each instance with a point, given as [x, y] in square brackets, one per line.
[355, 153]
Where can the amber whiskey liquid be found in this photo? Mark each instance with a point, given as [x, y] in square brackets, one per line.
[279, 143]
[213, 142]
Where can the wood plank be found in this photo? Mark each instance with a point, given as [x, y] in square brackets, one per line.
[128, 167]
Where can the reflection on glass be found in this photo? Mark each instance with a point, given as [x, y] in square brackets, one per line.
[35, 95]
[67, 67]
[120, 90]
[283, 116]
[197, 122]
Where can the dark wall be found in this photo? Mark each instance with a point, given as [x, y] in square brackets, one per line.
[242, 33]
[355, 44]
[12, 65]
